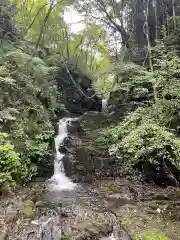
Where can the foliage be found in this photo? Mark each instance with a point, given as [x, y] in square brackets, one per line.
[38, 19]
[12, 170]
[132, 77]
[167, 75]
[86, 52]
[51, 32]
[148, 133]
[26, 109]
[124, 23]
[139, 139]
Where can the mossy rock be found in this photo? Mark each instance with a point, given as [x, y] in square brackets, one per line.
[98, 230]
[67, 235]
[93, 120]
[93, 230]
[3, 236]
[151, 235]
[28, 208]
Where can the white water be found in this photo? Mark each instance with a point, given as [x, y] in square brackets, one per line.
[59, 181]
[104, 104]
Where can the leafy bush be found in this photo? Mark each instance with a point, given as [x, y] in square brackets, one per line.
[166, 75]
[11, 168]
[135, 80]
[148, 142]
[28, 98]
[139, 139]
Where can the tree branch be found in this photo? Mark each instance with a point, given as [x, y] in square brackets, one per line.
[39, 10]
[51, 7]
[117, 26]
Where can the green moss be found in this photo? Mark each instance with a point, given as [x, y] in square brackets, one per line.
[151, 235]
[67, 235]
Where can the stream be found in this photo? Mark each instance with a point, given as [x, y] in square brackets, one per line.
[59, 181]
[109, 209]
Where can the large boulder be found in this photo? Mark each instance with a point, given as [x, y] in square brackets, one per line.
[77, 95]
[123, 101]
[162, 173]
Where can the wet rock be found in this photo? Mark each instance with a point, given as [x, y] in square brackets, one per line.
[119, 233]
[152, 211]
[11, 210]
[51, 232]
[157, 173]
[122, 235]
[39, 179]
[117, 200]
[77, 99]
[74, 128]
[92, 230]
[45, 228]
[106, 238]
[61, 112]
[98, 230]
[153, 205]
[93, 120]
[28, 208]
[42, 204]
[79, 236]
[161, 196]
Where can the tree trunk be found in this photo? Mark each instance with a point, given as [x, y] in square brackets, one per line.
[174, 14]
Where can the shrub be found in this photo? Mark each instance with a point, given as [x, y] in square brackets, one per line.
[148, 134]
[29, 93]
[138, 139]
[10, 165]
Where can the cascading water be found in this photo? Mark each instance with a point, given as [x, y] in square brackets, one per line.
[104, 104]
[59, 181]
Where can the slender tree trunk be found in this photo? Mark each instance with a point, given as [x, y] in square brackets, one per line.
[174, 13]
[156, 19]
[149, 47]
[44, 23]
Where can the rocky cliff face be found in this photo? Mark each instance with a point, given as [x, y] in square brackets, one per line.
[77, 95]
[83, 160]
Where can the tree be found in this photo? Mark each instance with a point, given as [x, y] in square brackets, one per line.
[8, 31]
[42, 23]
[126, 20]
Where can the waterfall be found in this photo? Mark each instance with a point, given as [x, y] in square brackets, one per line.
[104, 104]
[59, 181]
